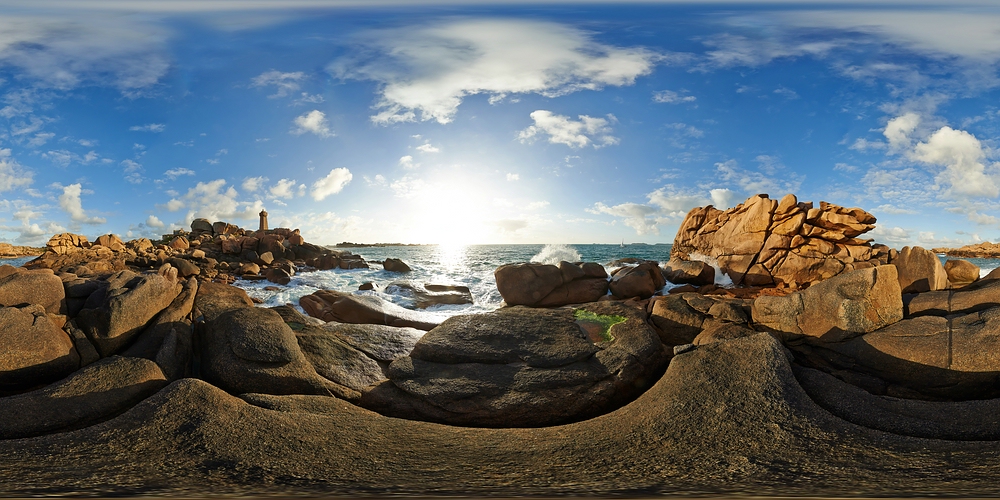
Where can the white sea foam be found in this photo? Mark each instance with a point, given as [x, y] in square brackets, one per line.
[553, 254]
[721, 279]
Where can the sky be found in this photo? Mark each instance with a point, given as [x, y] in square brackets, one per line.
[470, 122]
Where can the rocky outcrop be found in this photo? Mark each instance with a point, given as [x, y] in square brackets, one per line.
[523, 367]
[681, 318]
[920, 270]
[428, 295]
[547, 285]
[642, 281]
[984, 250]
[8, 251]
[768, 242]
[837, 309]
[329, 305]
[961, 272]
[978, 297]
[396, 266]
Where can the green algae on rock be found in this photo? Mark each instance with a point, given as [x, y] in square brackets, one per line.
[597, 326]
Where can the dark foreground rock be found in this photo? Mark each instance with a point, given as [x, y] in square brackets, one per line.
[522, 367]
[329, 305]
[726, 419]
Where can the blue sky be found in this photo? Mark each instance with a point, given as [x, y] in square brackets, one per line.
[482, 123]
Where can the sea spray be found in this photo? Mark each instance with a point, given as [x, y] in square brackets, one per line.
[554, 254]
[721, 279]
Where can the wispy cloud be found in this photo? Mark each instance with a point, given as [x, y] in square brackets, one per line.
[284, 83]
[573, 133]
[149, 127]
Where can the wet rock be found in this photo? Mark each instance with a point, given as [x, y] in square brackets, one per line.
[424, 297]
[693, 272]
[279, 276]
[396, 266]
[642, 281]
[329, 305]
[546, 285]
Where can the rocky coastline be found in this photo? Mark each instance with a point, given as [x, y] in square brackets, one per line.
[832, 367]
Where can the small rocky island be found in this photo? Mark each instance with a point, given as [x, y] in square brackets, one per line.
[833, 366]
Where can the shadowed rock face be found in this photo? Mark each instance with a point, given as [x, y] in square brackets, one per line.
[329, 305]
[547, 285]
[33, 351]
[521, 367]
[766, 242]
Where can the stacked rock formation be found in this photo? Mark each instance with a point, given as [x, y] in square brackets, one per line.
[787, 243]
[216, 251]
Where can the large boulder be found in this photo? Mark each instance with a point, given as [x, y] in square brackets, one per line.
[65, 243]
[396, 266]
[118, 311]
[336, 360]
[41, 287]
[837, 309]
[920, 270]
[253, 350]
[215, 299]
[111, 241]
[329, 305]
[642, 281]
[961, 272]
[168, 339]
[202, 225]
[98, 392]
[694, 272]
[547, 285]
[523, 367]
[767, 242]
[977, 297]
[680, 318]
[379, 342]
[425, 296]
[33, 351]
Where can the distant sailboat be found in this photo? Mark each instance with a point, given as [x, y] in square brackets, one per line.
[623, 244]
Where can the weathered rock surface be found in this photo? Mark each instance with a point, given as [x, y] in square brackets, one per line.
[521, 367]
[641, 281]
[379, 342]
[920, 270]
[118, 311]
[547, 285]
[980, 296]
[680, 318]
[336, 360]
[957, 358]
[33, 351]
[694, 272]
[20, 286]
[214, 299]
[329, 305]
[961, 272]
[98, 392]
[253, 350]
[837, 309]
[767, 242]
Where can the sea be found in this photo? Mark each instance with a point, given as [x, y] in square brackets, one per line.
[470, 265]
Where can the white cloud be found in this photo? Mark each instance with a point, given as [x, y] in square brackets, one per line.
[671, 97]
[149, 127]
[573, 133]
[513, 177]
[284, 188]
[407, 187]
[153, 221]
[427, 148]
[131, 166]
[12, 174]
[70, 201]
[407, 162]
[430, 69]
[60, 157]
[40, 139]
[511, 225]
[174, 205]
[285, 83]
[898, 130]
[537, 205]
[892, 236]
[635, 215]
[252, 184]
[333, 183]
[177, 172]
[666, 204]
[312, 122]
[379, 180]
[308, 98]
[757, 182]
[722, 198]
[215, 201]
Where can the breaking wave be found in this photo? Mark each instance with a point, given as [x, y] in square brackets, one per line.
[553, 254]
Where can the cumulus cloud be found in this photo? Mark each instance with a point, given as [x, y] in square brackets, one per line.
[284, 83]
[666, 204]
[284, 188]
[756, 182]
[149, 127]
[70, 201]
[892, 236]
[957, 157]
[153, 221]
[407, 162]
[430, 69]
[252, 184]
[333, 183]
[428, 148]
[573, 133]
[313, 122]
[722, 198]
[513, 177]
[634, 215]
[214, 200]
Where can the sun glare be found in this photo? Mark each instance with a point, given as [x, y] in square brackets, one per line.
[451, 212]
